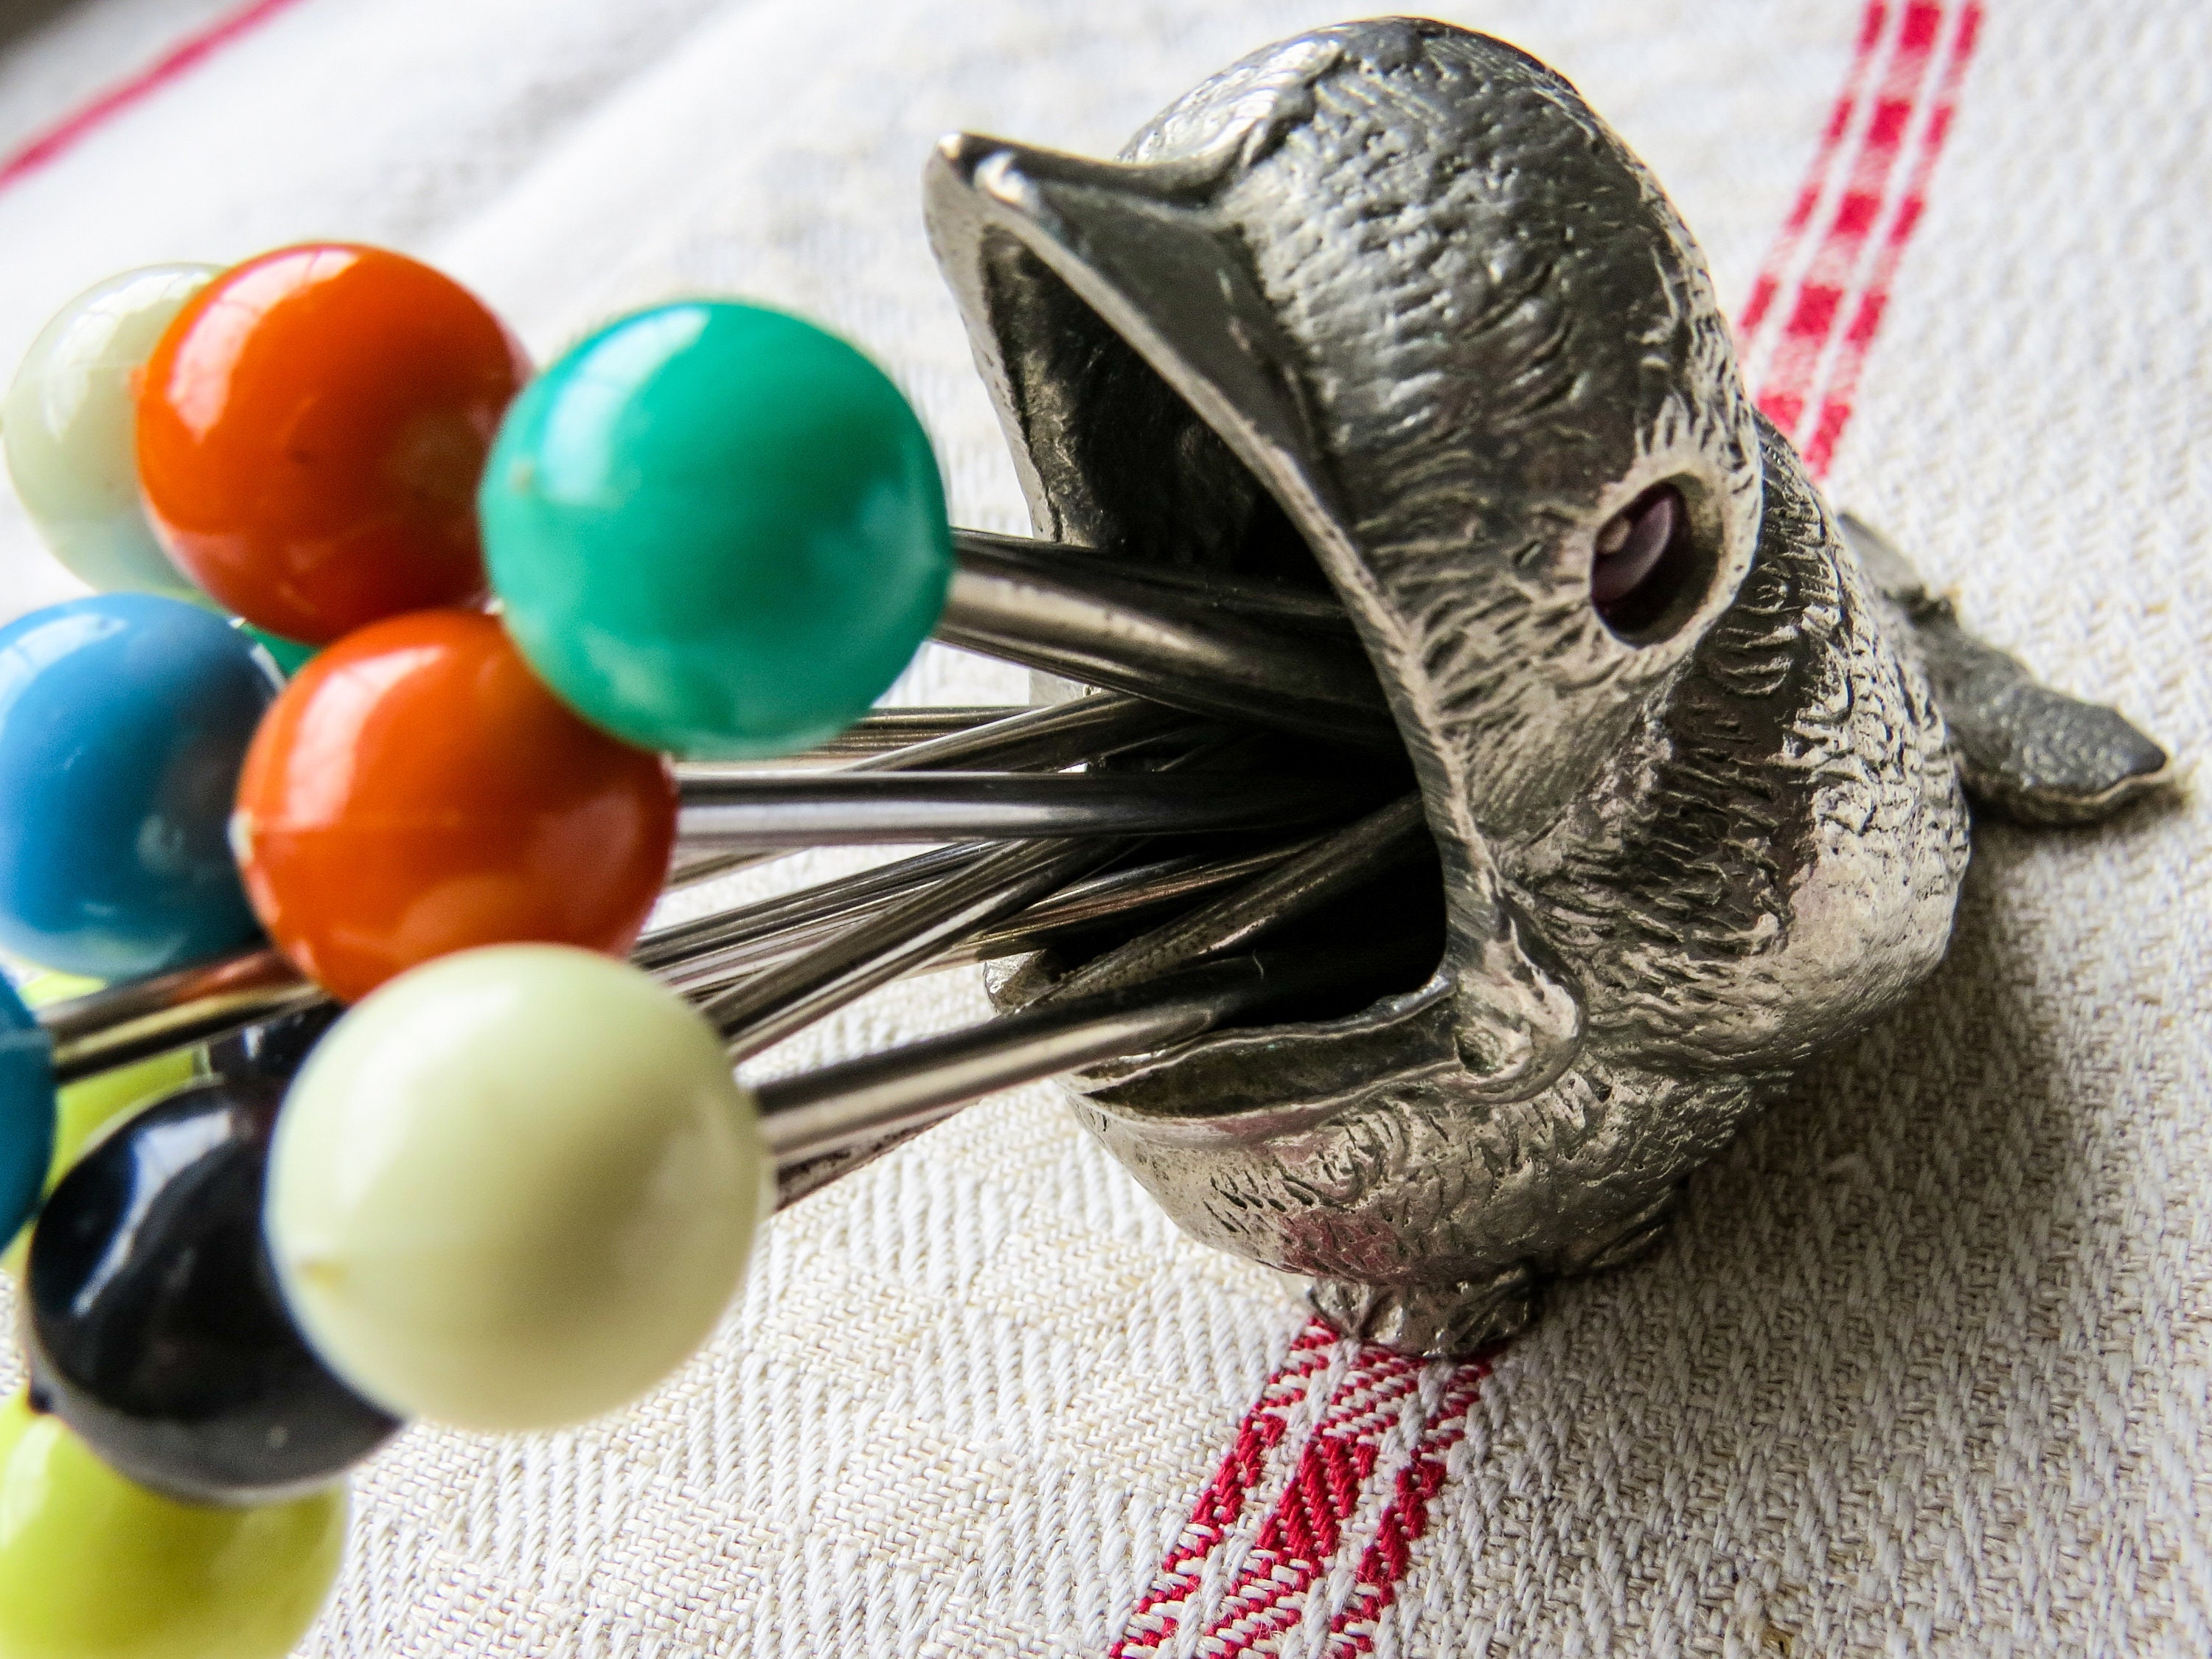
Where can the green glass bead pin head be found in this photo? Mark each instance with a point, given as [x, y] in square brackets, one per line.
[717, 529]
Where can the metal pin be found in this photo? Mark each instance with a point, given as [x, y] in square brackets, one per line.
[212, 1000]
[1071, 617]
[887, 730]
[1330, 867]
[1014, 741]
[1082, 728]
[1263, 604]
[771, 1005]
[761, 936]
[816, 810]
[1166, 640]
[1086, 728]
[872, 1103]
[1140, 887]
[126, 1023]
[695, 940]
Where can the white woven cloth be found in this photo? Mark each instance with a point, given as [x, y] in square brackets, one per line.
[1922, 1369]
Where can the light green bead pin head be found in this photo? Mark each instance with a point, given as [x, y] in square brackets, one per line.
[513, 1188]
[69, 425]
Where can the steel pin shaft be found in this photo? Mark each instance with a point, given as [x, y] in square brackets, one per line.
[763, 1009]
[1327, 869]
[1082, 728]
[1070, 616]
[823, 1113]
[816, 810]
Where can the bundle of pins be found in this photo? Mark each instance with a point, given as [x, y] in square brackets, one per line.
[413, 678]
[1173, 852]
[589, 633]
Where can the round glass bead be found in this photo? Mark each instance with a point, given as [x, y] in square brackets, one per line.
[153, 1322]
[26, 1110]
[311, 431]
[417, 790]
[69, 422]
[717, 529]
[514, 1188]
[124, 719]
[82, 1109]
[94, 1566]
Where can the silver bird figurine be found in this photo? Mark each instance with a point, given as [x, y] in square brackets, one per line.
[1387, 310]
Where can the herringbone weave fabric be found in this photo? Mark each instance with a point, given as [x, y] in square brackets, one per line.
[1922, 1368]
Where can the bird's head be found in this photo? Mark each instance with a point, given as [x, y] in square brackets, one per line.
[1385, 309]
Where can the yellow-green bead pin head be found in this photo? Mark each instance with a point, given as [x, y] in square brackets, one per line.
[95, 1567]
[69, 424]
[513, 1188]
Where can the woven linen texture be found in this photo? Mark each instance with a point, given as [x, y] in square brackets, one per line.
[1922, 1368]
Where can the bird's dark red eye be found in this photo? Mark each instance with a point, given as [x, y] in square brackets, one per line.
[1644, 559]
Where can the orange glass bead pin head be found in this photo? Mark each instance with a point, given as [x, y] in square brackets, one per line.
[311, 430]
[416, 791]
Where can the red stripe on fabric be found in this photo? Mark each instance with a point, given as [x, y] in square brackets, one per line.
[1771, 273]
[1816, 323]
[1814, 313]
[1833, 271]
[1293, 1548]
[1391, 1553]
[187, 55]
[1220, 1505]
[1866, 320]
[1300, 1535]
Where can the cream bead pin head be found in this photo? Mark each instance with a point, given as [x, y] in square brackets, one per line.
[1387, 310]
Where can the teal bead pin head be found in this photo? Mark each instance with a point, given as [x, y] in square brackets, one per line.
[26, 1110]
[717, 529]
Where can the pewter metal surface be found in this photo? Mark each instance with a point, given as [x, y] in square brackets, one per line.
[1387, 306]
[2026, 752]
